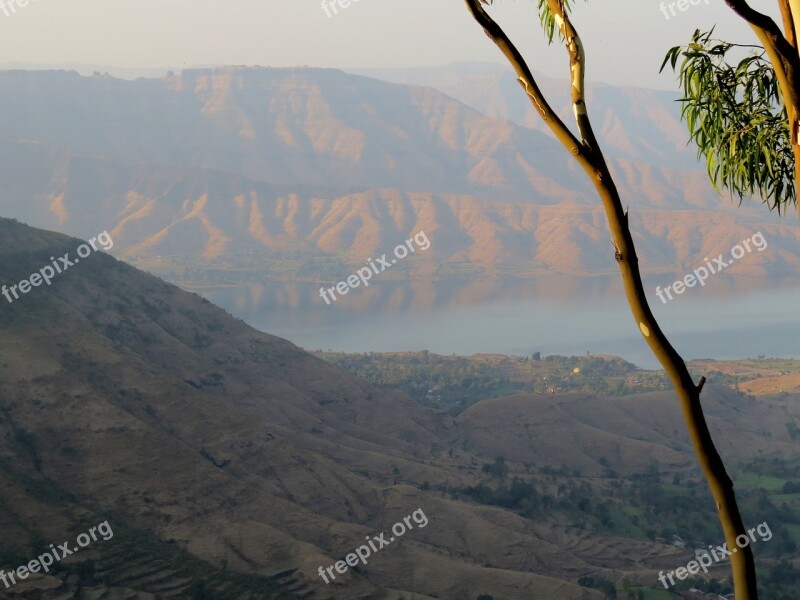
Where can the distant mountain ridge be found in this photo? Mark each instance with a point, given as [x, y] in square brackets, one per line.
[301, 163]
[297, 126]
[637, 124]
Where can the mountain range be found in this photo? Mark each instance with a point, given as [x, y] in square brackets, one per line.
[233, 165]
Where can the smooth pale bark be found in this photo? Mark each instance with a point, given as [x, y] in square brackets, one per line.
[790, 31]
[587, 153]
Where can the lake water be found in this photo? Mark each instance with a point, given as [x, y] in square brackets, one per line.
[570, 316]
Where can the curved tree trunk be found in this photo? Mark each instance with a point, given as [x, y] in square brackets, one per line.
[587, 153]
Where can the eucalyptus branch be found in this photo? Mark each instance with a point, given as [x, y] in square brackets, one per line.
[736, 116]
[590, 158]
[763, 25]
[526, 79]
[783, 55]
[577, 60]
[788, 22]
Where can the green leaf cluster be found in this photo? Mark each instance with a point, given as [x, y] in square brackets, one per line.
[736, 116]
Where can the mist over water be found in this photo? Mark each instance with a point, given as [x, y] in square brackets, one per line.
[726, 319]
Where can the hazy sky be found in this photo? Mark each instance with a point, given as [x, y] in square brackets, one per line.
[625, 39]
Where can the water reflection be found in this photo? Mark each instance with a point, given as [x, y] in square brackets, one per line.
[728, 318]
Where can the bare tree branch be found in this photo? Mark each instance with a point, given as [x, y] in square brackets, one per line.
[591, 159]
[577, 60]
[526, 79]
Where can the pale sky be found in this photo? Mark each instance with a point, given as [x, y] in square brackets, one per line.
[625, 39]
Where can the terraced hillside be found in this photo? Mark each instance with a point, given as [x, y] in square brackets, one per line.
[232, 464]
